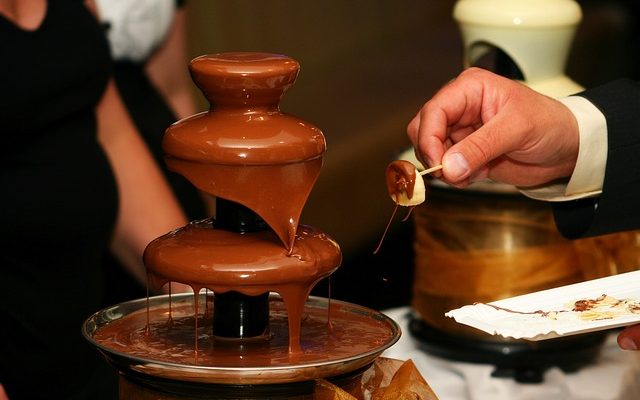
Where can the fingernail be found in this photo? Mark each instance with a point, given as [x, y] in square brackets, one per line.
[456, 166]
[628, 344]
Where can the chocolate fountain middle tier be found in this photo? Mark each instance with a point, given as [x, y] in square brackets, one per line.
[250, 263]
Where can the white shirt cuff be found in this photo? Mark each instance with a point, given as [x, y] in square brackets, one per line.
[588, 175]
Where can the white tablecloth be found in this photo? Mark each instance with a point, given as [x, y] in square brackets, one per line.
[615, 375]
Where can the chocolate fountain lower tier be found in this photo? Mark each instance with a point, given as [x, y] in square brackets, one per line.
[165, 357]
[242, 268]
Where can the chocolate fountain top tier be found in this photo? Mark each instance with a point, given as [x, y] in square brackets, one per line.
[244, 149]
[262, 77]
[244, 125]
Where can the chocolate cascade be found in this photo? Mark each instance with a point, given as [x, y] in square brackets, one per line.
[253, 158]
[254, 255]
[244, 149]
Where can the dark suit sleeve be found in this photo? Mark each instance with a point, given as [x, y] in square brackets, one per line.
[618, 207]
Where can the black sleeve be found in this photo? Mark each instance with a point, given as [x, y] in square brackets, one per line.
[617, 208]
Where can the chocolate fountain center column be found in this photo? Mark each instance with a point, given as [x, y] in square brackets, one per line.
[238, 315]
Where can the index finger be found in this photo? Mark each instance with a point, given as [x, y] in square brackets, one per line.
[458, 104]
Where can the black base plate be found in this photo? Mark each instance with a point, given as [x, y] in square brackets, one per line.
[524, 361]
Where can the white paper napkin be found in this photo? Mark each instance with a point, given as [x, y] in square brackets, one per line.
[549, 313]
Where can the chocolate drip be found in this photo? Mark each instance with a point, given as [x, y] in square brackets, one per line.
[400, 178]
[537, 312]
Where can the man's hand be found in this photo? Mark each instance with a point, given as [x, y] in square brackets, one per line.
[483, 125]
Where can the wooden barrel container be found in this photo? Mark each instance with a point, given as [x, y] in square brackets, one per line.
[483, 244]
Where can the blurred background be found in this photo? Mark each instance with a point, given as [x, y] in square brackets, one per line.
[366, 69]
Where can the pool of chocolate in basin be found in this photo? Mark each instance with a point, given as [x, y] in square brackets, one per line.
[352, 339]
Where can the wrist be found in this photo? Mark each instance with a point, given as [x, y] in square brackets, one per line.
[591, 158]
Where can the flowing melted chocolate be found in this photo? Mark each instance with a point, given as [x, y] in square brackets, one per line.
[350, 332]
[246, 151]
[274, 184]
[250, 263]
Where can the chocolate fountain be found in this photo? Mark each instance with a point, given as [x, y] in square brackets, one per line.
[250, 330]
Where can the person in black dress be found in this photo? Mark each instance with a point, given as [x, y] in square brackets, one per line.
[76, 179]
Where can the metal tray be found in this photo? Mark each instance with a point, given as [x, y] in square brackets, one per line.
[294, 372]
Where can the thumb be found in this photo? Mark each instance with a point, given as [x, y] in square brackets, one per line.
[455, 166]
[629, 338]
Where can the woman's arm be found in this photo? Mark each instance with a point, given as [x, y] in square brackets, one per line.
[147, 207]
[167, 69]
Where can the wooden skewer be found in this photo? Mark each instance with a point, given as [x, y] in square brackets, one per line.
[430, 170]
